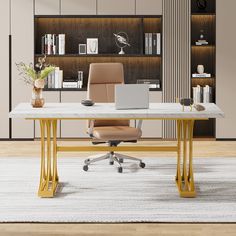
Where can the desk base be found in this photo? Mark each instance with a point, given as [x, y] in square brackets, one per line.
[49, 175]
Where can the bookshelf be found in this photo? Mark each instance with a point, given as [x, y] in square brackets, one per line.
[137, 65]
[203, 21]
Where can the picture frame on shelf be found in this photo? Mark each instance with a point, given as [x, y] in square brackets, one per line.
[92, 45]
[82, 49]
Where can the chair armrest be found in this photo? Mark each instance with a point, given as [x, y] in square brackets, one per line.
[90, 129]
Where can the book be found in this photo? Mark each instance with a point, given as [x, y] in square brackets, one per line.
[61, 44]
[150, 43]
[158, 50]
[80, 79]
[197, 94]
[49, 44]
[70, 84]
[146, 44]
[154, 43]
[207, 94]
[204, 75]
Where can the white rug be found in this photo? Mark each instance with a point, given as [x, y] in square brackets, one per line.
[103, 195]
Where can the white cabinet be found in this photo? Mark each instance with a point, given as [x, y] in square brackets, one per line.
[148, 7]
[47, 7]
[114, 7]
[4, 61]
[49, 96]
[225, 67]
[22, 29]
[76, 128]
[78, 7]
[153, 128]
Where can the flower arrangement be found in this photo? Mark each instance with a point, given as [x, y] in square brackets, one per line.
[35, 77]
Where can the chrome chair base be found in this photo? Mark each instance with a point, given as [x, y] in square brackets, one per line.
[113, 158]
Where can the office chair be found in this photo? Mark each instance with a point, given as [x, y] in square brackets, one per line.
[101, 88]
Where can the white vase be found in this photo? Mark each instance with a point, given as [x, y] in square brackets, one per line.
[200, 69]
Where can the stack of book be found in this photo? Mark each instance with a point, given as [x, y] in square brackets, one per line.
[201, 42]
[54, 79]
[202, 94]
[53, 44]
[152, 43]
[74, 82]
[204, 75]
[153, 83]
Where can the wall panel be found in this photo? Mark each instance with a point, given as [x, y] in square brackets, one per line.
[22, 21]
[4, 61]
[176, 55]
[225, 67]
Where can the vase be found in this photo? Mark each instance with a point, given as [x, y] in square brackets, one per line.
[37, 100]
[200, 69]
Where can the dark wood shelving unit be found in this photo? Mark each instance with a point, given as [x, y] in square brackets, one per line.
[77, 29]
[204, 20]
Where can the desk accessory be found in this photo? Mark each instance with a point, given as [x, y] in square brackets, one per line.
[122, 41]
[186, 102]
[87, 102]
[199, 107]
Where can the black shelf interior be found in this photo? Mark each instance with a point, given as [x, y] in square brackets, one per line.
[77, 29]
[203, 21]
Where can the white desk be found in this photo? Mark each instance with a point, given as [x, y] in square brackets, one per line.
[53, 112]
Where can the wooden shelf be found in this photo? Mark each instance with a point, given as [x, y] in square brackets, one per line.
[64, 89]
[83, 89]
[99, 55]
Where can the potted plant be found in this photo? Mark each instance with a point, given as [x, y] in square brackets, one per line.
[35, 76]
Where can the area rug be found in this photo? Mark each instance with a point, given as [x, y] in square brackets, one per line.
[104, 195]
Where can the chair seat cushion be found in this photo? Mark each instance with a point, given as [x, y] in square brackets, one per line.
[116, 133]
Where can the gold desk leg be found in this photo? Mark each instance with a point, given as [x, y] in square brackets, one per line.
[49, 176]
[184, 177]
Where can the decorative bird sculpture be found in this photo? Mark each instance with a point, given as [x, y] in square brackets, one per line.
[122, 41]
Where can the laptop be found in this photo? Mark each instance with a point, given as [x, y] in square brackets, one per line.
[131, 96]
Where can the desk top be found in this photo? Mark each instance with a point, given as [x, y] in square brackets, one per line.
[108, 111]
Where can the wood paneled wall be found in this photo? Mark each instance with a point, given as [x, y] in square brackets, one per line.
[176, 55]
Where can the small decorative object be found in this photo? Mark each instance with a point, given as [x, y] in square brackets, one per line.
[201, 41]
[186, 102]
[82, 49]
[201, 4]
[122, 41]
[200, 69]
[92, 46]
[87, 102]
[35, 77]
[199, 107]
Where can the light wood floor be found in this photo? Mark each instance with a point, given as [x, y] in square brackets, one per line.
[202, 149]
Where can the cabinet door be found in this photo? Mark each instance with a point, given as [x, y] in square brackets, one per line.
[4, 61]
[73, 128]
[114, 7]
[225, 67]
[78, 7]
[49, 96]
[46, 7]
[22, 29]
[148, 7]
[153, 128]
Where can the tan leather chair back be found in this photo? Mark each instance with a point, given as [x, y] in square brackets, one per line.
[101, 87]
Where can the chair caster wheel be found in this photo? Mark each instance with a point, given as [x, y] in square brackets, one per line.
[86, 161]
[120, 169]
[121, 160]
[111, 163]
[142, 165]
[85, 168]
